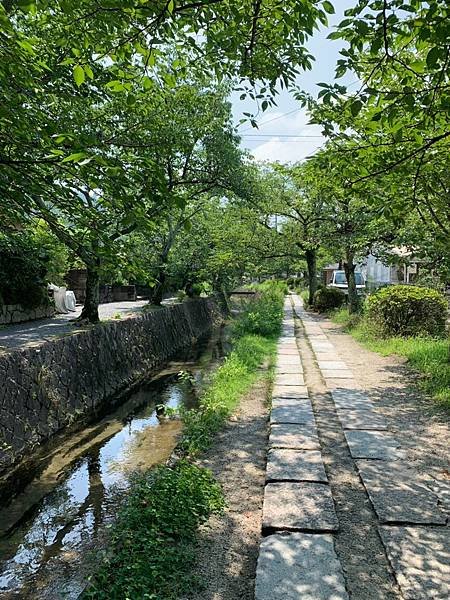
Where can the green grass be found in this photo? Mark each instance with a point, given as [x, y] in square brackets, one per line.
[151, 549]
[238, 373]
[430, 357]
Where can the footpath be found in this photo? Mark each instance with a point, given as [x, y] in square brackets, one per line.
[344, 514]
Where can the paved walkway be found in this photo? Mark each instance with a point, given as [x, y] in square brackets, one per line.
[323, 530]
[33, 333]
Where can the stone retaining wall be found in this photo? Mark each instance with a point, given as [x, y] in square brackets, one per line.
[44, 389]
[16, 313]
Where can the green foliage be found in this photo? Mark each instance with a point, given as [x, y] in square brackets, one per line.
[406, 310]
[263, 316]
[150, 551]
[326, 299]
[23, 269]
[230, 381]
[428, 356]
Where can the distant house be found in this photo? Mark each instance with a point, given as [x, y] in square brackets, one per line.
[377, 273]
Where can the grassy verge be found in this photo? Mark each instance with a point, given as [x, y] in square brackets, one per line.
[428, 356]
[150, 552]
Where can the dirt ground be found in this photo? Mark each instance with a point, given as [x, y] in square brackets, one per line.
[229, 544]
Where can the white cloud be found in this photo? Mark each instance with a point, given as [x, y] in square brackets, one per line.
[269, 141]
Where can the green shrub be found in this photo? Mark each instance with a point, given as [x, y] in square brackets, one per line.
[328, 298]
[407, 310]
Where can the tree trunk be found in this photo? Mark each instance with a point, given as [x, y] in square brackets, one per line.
[311, 262]
[158, 291]
[91, 302]
[349, 267]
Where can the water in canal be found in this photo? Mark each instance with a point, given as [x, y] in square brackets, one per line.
[50, 529]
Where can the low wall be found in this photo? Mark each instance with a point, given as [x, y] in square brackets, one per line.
[44, 389]
[16, 313]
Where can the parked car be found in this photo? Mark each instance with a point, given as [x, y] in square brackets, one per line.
[339, 281]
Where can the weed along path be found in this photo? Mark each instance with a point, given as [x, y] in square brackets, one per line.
[357, 494]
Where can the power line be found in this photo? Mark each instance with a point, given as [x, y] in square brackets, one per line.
[282, 135]
[274, 119]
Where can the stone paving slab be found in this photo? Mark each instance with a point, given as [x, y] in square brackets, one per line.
[336, 373]
[325, 355]
[288, 435]
[420, 558]
[299, 506]
[397, 494]
[318, 346]
[282, 402]
[361, 419]
[302, 413]
[289, 359]
[289, 379]
[442, 491]
[286, 350]
[373, 444]
[299, 566]
[337, 383]
[351, 398]
[289, 369]
[290, 391]
[295, 465]
[332, 364]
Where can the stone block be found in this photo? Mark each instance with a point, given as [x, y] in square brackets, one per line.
[332, 364]
[398, 495]
[362, 419]
[301, 413]
[373, 444]
[299, 506]
[319, 345]
[282, 402]
[289, 359]
[420, 559]
[295, 465]
[284, 369]
[351, 398]
[289, 379]
[288, 435]
[290, 391]
[337, 373]
[299, 566]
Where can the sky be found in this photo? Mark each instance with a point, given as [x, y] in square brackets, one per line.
[288, 119]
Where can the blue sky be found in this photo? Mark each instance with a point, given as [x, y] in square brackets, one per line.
[265, 143]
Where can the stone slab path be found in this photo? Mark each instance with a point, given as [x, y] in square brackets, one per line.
[300, 563]
[300, 555]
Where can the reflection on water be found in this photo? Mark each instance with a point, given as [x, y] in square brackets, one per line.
[49, 526]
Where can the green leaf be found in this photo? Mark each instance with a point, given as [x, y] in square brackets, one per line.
[171, 6]
[88, 71]
[355, 107]
[78, 75]
[433, 57]
[75, 157]
[328, 7]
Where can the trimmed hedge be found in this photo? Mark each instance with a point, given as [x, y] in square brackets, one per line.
[407, 310]
[328, 298]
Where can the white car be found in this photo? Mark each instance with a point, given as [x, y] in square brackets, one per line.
[339, 281]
